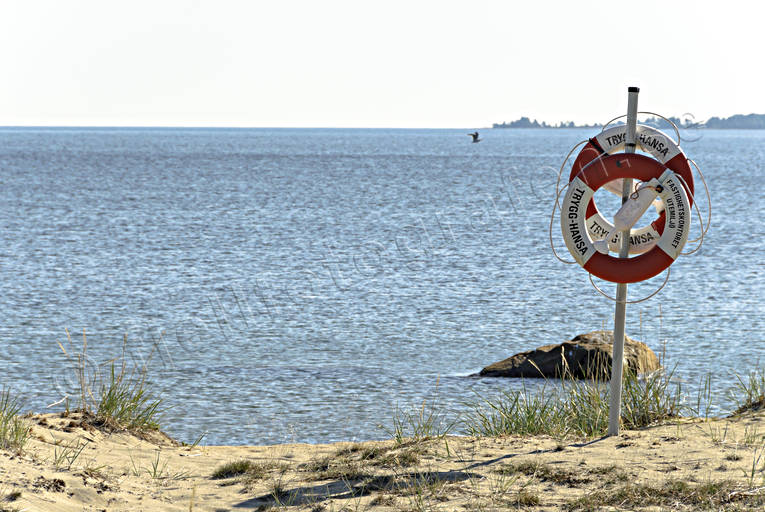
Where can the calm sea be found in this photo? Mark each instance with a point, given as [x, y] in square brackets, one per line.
[300, 284]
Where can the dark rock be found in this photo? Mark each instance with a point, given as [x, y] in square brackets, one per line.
[585, 356]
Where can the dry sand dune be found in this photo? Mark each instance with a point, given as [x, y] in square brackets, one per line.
[687, 465]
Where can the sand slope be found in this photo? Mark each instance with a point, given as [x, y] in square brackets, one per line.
[119, 471]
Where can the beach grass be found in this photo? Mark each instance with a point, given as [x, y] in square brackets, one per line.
[420, 424]
[122, 399]
[157, 469]
[125, 401]
[14, 431]
[544, 473]
[650, 399]
[232, 469]
[571, 407]
[247, 472]
[673, 494]
[8, 498]
[749, 393]
[66, 454]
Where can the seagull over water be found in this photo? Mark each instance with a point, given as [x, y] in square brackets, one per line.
[475, 137]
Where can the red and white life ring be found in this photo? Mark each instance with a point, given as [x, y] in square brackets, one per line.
[652, 141]
[576, 204]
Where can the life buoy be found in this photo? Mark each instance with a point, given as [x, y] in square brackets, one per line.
[652, 141]
[674, 231]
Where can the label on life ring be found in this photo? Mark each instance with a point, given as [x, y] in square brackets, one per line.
[641, 239]
[647, 138]
[573, 221]
[677, 224]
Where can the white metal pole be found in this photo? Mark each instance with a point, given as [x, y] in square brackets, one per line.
[620, 312]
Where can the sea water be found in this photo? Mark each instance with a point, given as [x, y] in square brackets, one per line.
[303, 284]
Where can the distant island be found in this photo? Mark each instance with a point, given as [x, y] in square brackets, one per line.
[736, 122]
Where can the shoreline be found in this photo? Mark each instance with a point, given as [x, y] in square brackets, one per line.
[69, 465]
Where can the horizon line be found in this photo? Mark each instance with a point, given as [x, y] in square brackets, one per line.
[215, 127]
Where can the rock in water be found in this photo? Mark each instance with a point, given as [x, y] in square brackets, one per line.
[585, 356]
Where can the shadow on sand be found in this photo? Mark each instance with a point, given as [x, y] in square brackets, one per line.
[362, 485]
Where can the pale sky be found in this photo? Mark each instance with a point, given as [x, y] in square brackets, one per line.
[326, 63]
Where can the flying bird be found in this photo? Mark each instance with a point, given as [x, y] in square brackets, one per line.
[475, 137]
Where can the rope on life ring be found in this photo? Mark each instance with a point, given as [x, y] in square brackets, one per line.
[652, 141]
[676, 225]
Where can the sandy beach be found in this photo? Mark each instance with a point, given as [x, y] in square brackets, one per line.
[687, 464]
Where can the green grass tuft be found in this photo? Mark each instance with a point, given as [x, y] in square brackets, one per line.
[650, 399]
[14, 431]
[749, 393]
[420, 424]
[253, 473]
[232, 469]
[125, 402]
[524, 498]
[544, 473]
[673, 494]
[119, 401]
[574, 408]
[66, 454]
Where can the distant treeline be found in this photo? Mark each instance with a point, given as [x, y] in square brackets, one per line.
[739, 121]
[525, 122]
